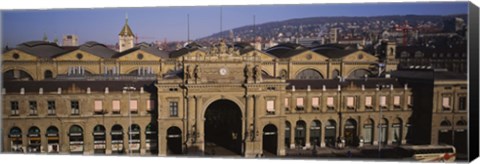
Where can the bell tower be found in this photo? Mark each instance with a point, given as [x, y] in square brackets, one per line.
[125, 37]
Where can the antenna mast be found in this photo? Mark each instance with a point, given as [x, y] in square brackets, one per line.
[188, 28]
[221, 23]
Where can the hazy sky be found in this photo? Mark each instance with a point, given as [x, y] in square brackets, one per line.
[104, 24]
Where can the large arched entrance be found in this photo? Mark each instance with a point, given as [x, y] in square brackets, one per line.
[270, 137]
[223, 128]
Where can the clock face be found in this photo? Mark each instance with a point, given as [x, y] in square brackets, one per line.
[223, 71]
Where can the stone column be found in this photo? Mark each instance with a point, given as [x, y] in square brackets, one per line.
[143, 137]
[322, 135]
[199, 122]
[87, 140]
[64, 138]
[307, 136]
[108, 139]
[126, 145]
[44, 141]
[292, 136]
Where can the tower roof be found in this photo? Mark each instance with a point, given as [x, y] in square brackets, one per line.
[126, 30]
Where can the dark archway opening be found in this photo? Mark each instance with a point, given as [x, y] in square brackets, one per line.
[223, 128]
[351, 133]
[174, 140]
[270, 139]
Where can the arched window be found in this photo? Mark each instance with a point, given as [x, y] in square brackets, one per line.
[309, 74]
[16, 74]
[383, 130]
[335, 74]
[359, 73]
[445, 123]
[288, 127]
[396, 132]
[351, 132]
[462, 123]
[151, 139]
[48, 74]
[53, 139]
[76, 139]
[34, 141]
[134, 138]
[300, 133]
[315, 133]
[99, 138]
[368, 131]
[117, 139]
[16, 139]
[330, 133]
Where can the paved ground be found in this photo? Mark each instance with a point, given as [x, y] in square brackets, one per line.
[365, 153]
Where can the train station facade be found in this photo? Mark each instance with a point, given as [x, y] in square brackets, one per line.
[93, 100]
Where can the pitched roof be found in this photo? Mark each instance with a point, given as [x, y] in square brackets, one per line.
[126, 30]
[152, 49]
[98, 49]
[40, 49]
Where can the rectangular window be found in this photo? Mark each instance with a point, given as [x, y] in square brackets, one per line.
[330, 104]
[396, 101]
[173, 108]
[51, 107]
[116, 106]
[300, 103]
[270, 107]
[75, 106]
[14, 108]
[133, 106]
[446, 103]
[409, 101]
[350, 102]
[383, 101]
[98, 106]
[33, 107]
[315, 104]
[462, 103]
[150, 105]
[368, 102]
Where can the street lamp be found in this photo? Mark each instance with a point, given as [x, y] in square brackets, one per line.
[127, 89]
[380, 87]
